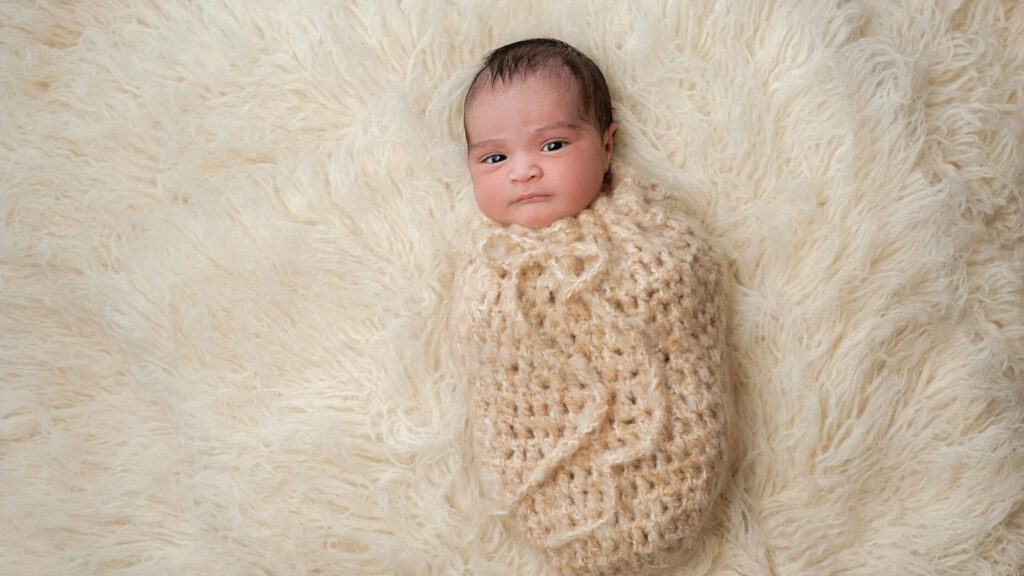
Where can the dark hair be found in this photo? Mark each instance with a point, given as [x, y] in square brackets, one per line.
[518, 60]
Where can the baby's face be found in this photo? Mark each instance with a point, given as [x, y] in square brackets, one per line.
[533, 159]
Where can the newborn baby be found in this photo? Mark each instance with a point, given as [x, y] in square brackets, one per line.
[593, 327]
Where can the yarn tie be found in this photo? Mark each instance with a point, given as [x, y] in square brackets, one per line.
[508, 252]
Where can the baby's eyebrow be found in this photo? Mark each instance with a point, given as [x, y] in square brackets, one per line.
[483, 143]
[561, 125]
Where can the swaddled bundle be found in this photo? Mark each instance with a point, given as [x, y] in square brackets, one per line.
[594, 352]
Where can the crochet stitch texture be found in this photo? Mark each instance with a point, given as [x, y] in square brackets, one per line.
[594, 351]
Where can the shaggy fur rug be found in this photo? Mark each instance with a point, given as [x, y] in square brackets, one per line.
[225, 278]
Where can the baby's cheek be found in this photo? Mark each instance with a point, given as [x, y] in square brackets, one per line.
[492, 206]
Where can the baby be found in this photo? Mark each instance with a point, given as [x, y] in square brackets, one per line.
[539, 130]
[592, 319]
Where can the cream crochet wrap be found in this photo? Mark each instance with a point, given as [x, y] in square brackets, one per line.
[593, 352]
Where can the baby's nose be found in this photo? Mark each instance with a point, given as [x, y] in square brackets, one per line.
[524, 169]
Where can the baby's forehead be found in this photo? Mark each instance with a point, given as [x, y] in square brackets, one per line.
[487, 83]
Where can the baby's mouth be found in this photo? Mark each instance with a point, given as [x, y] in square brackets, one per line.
[530, 197]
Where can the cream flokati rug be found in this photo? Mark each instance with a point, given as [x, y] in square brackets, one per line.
[225, 278]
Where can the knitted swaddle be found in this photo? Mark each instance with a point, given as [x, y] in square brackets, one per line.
[593, 352]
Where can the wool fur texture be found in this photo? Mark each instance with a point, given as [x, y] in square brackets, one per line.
[593, 355]
[227, 282]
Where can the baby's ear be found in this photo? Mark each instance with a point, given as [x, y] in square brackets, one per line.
[609, 141]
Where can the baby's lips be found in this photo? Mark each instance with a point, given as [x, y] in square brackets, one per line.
[530, 197]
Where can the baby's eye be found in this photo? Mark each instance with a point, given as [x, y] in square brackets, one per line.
[552, 146]
[494, 158]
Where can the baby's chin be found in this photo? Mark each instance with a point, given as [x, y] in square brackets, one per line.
[533, 216]
[538, 222]
[536, 219]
